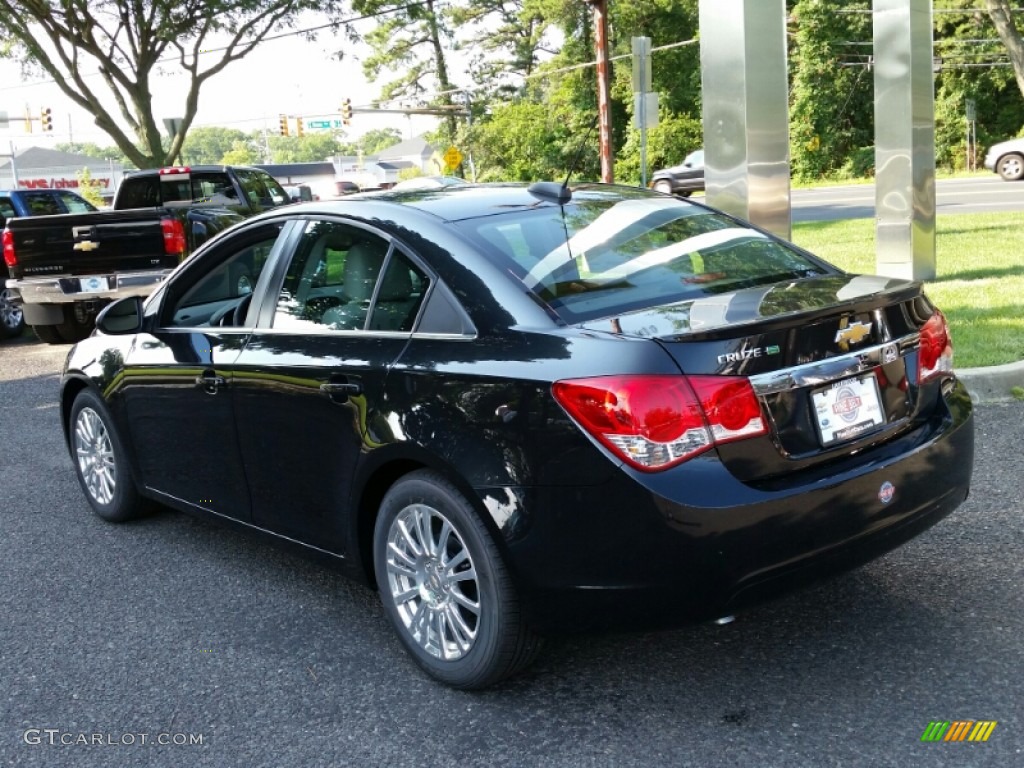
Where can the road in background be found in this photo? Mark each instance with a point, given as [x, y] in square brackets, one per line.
[857, 201]
[177, 626]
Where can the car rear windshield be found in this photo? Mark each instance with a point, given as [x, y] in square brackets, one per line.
[605, 257]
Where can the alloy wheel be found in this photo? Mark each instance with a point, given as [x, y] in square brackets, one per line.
[95, 455]
[10, 313]
[433, 582]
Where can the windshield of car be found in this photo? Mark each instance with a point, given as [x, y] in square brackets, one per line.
[604, 257]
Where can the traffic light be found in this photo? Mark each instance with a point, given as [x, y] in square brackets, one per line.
[346, 111]
[283, 120]
[298, 126]
[46, 119]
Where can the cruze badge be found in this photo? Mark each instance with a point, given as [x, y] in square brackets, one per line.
[852, 334]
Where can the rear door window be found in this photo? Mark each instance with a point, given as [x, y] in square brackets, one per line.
[344, 278]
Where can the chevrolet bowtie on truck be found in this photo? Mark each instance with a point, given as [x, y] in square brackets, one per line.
[65, 268]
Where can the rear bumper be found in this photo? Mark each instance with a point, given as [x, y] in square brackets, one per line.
[69, 289]
[664, 549]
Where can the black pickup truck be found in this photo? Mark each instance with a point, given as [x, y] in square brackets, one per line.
[29, 202]
[64, 269]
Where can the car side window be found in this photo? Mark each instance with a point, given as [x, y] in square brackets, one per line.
[214, 188]
[221, 296]
[75, 204]
[334, 283]
[42, 204]
[6, 208]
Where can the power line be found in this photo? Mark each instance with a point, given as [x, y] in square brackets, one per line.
[269, 38]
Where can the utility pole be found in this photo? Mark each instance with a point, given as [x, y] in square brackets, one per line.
[604, 111]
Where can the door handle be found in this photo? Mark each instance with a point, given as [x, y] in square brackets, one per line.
[340, 391]
[210, 381]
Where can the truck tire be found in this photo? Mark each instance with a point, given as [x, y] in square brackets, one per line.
[77, 324]
[48, 334]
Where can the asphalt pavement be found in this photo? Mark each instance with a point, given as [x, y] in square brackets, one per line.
[241, 654]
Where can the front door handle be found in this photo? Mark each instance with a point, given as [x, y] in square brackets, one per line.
[210, 381]
[339, 390]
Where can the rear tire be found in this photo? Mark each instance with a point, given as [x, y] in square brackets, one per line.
[77, 324]
[445, 588]
[101, 462]
[1011, 167]
[48, 334]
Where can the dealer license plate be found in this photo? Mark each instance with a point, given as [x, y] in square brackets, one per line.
[848, 408]
[93, 284]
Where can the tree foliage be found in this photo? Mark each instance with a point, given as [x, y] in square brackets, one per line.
[129, 42]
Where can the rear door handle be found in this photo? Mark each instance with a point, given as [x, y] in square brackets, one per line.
[340, 390]
[210, 381]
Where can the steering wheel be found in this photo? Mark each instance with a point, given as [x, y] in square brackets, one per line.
[225, 313]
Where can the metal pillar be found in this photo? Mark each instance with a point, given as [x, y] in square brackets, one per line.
[904, 139]
[746, 109]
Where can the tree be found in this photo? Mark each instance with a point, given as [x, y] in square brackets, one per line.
[129, 42]
[87, 189]
[413, 39]
[1000, 11]
[374, 141]
[208, 144]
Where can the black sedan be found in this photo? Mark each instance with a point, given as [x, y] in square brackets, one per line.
[515, 411]
[683, 179]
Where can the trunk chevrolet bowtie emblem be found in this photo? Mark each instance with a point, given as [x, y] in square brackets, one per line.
[86, 245]
[851, 334]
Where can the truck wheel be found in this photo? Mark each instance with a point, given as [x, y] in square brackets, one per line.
[77, 324]
[12, 320]
[48, 334]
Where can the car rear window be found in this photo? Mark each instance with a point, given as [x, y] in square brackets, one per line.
[603, 257]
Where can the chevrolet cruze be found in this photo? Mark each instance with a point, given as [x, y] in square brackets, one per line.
[519, 410]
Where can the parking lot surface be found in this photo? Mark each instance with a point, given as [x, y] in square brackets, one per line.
[177, 642]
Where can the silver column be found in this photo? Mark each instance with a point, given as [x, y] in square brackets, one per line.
[746, 109]
[904, 139]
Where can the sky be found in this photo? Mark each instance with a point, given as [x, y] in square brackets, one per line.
[289, 75]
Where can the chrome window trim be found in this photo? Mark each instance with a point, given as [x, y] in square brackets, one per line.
[823, 372]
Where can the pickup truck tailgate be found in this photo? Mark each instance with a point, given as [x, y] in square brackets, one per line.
[89, 243]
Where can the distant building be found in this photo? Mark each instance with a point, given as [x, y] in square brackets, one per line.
[41, 168]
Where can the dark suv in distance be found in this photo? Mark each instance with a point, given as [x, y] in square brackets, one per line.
[682, 180]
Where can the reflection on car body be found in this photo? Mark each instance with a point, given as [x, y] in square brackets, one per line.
[515, 416]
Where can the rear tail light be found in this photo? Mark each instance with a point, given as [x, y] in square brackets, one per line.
[935, 357]
[655, 422]
[9, 258]
[174, 235]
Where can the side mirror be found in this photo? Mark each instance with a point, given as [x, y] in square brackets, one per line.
[122, 317]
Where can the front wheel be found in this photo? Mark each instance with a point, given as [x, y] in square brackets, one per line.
[445, 588]
[663, 186]
[101, 462]
[1011, 167]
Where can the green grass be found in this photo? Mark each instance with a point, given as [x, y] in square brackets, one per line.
[979, 283]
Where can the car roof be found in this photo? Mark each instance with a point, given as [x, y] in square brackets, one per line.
[467, 201]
